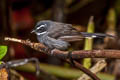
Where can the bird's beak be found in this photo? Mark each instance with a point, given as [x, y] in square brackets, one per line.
[32, 31]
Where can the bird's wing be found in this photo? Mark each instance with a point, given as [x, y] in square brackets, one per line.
[71, 38]
[64, 32]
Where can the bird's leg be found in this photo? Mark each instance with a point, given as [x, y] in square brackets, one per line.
[70, 57]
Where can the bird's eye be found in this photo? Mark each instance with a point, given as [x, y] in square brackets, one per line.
[41, 29]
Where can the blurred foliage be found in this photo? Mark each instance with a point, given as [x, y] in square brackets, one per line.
[89, 42]
[111, 19]
[62, 72]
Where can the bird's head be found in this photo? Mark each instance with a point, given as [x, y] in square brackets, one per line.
[41, 27]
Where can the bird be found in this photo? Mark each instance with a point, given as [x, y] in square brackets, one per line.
[58, 35]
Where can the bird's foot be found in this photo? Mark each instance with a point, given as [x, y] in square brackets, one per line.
[70, 58]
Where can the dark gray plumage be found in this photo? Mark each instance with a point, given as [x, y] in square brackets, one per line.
[58, 35]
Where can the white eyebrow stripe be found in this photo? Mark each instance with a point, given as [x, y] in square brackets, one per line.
[41, 26]
[41, 33]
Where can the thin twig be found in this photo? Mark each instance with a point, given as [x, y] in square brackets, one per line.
[95, 69]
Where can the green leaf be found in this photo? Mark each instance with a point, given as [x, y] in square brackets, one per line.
[3, 51]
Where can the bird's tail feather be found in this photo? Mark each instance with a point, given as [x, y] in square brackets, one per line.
[96, 35]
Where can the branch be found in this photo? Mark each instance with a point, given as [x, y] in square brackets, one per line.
[60, 54]
[64, 54]
[37, 46]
